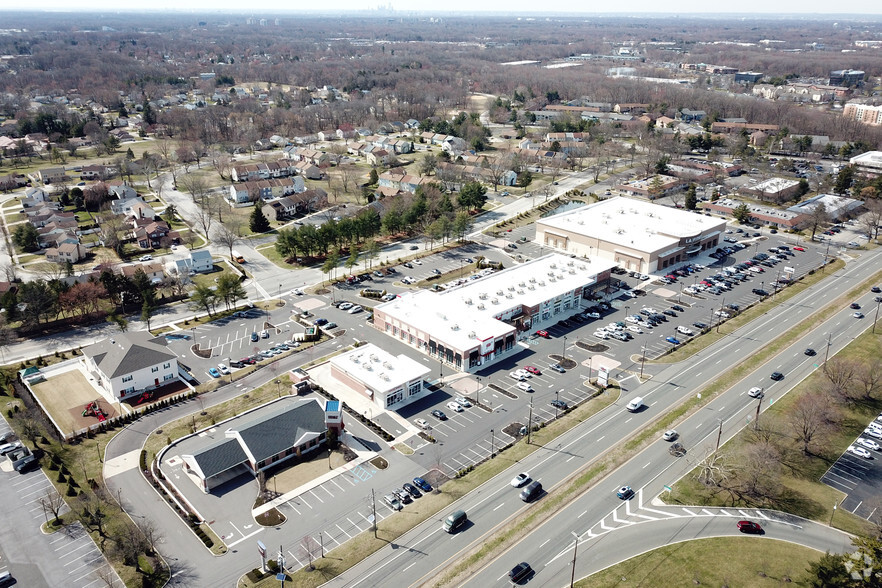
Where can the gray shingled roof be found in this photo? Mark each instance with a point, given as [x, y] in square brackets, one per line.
[220, 457]
[280, 429]
[125, 353]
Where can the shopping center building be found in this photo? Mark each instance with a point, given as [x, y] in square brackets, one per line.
[634, 234]
[477, 323]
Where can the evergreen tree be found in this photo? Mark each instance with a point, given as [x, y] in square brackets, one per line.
[691, 202]
[258, 222]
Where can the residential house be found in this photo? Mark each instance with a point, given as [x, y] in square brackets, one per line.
[151, 234]
[130, 363]
[201, 261]
[154, 270]
[327, 135]
[51, 175]
[133, 208]
[379, 157]
[452, 172]
[33, 197]
[98, 172]
[280, 209]
[121, 191]
[66, 252]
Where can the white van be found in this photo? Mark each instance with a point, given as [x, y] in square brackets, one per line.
[635, 404]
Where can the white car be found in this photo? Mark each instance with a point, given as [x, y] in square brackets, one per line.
[525, 386]
[524, 373]
[635, 329]
[755, 392]
[868, 443]
[145, 258]
[632, 319]
[601, 334]
[722, 314]
[422, 423]
[392, 501]
[630, 294]
[355, 309]
[650, 310]
[418, 262]
[463, 401]
[520, 479]
[345, 306]
[516, 376]
[875, 433]
[454, 406]
[613, 327]
[408, 280]
[223, 368]
[859, 451]
[297, 292]
[684, 330]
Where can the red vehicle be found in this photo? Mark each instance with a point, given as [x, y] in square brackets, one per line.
[543, 334]
[533, 370]
[749, 527]
[798, 249]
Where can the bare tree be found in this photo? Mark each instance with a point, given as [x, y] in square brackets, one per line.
[872, 219]
[222, 163]
[808, 420]
[227, 234]
[760, 469]
[196, 185]
[311, 549]
[150, 532]
[715, 469]
[107, 576]
[818, 218]
[840, 373]
[868, 379]
[52, 503]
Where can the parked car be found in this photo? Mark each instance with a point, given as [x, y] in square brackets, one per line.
[454, 406]
[214, 373]
[560, 404]
[533, 370]
[392, 501]
[422, 484]
[439, 415]
[463, 401]
[868, 443]
[859, 451]
[672, 340]
[558, 368]
[412, 490]
[223, 368]
[543, 334]
[422, 423]
[525, 386]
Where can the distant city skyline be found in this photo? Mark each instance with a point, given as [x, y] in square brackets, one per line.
[745, 9]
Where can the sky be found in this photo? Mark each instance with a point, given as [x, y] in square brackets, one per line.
[745, 8]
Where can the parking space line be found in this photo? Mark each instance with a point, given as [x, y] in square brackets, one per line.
[316, 496]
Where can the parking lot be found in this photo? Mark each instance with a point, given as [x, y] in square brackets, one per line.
[858, 473]
[67, 557]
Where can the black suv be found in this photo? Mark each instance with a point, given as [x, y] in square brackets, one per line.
[520, 572]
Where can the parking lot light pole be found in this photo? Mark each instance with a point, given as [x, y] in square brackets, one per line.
[642, 360]
[565, 348]
[556, 402]
[278, 388]
[493, 444]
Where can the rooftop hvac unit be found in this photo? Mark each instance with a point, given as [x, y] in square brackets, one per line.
[499, 292]
[387, 365]
[480, 307]
[531, 287]
[570, 263]
[482, 296]
[472, 335]
[385, 377]
[368, 367]
[542, 283]
[532, 280]
[511, 288]
[509, 296]
[521, 284]
[582, 267]
[495, 301]
[553, 266]
[454, 327]
[374, 357]
[550, 273]
[551, 279]
[520, 291]
[572, 272]
[468, 300]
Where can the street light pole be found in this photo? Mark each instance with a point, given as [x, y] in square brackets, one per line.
[719, 436]
[278, 388]
[564, 348]
[827, 352]
[759, 403]
[556, 402]
[529, 424]
[493, 444]
[642, 360]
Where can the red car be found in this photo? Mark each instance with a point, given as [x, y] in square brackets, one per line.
[543, 334]
[533, 370]
[798, 249]
[749, 527]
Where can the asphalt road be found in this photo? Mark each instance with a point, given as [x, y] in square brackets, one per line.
[422, 553]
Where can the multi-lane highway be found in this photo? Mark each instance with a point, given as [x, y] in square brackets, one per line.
[426, 551]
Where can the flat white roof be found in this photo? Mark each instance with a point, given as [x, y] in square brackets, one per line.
[871, 159]
[379, 369]
[773, 185]
[634, 224]
[465, 315]
[834, 204]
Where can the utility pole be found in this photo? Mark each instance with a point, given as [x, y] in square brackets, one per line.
[529, 424]
[719, 436]
[827, 352]
[722, 302]
[374, 510]
[876, 318]
[759, 403]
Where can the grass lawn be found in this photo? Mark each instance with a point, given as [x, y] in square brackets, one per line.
[800, 491]
[270, 253]
[209, 279]
[748, 563]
